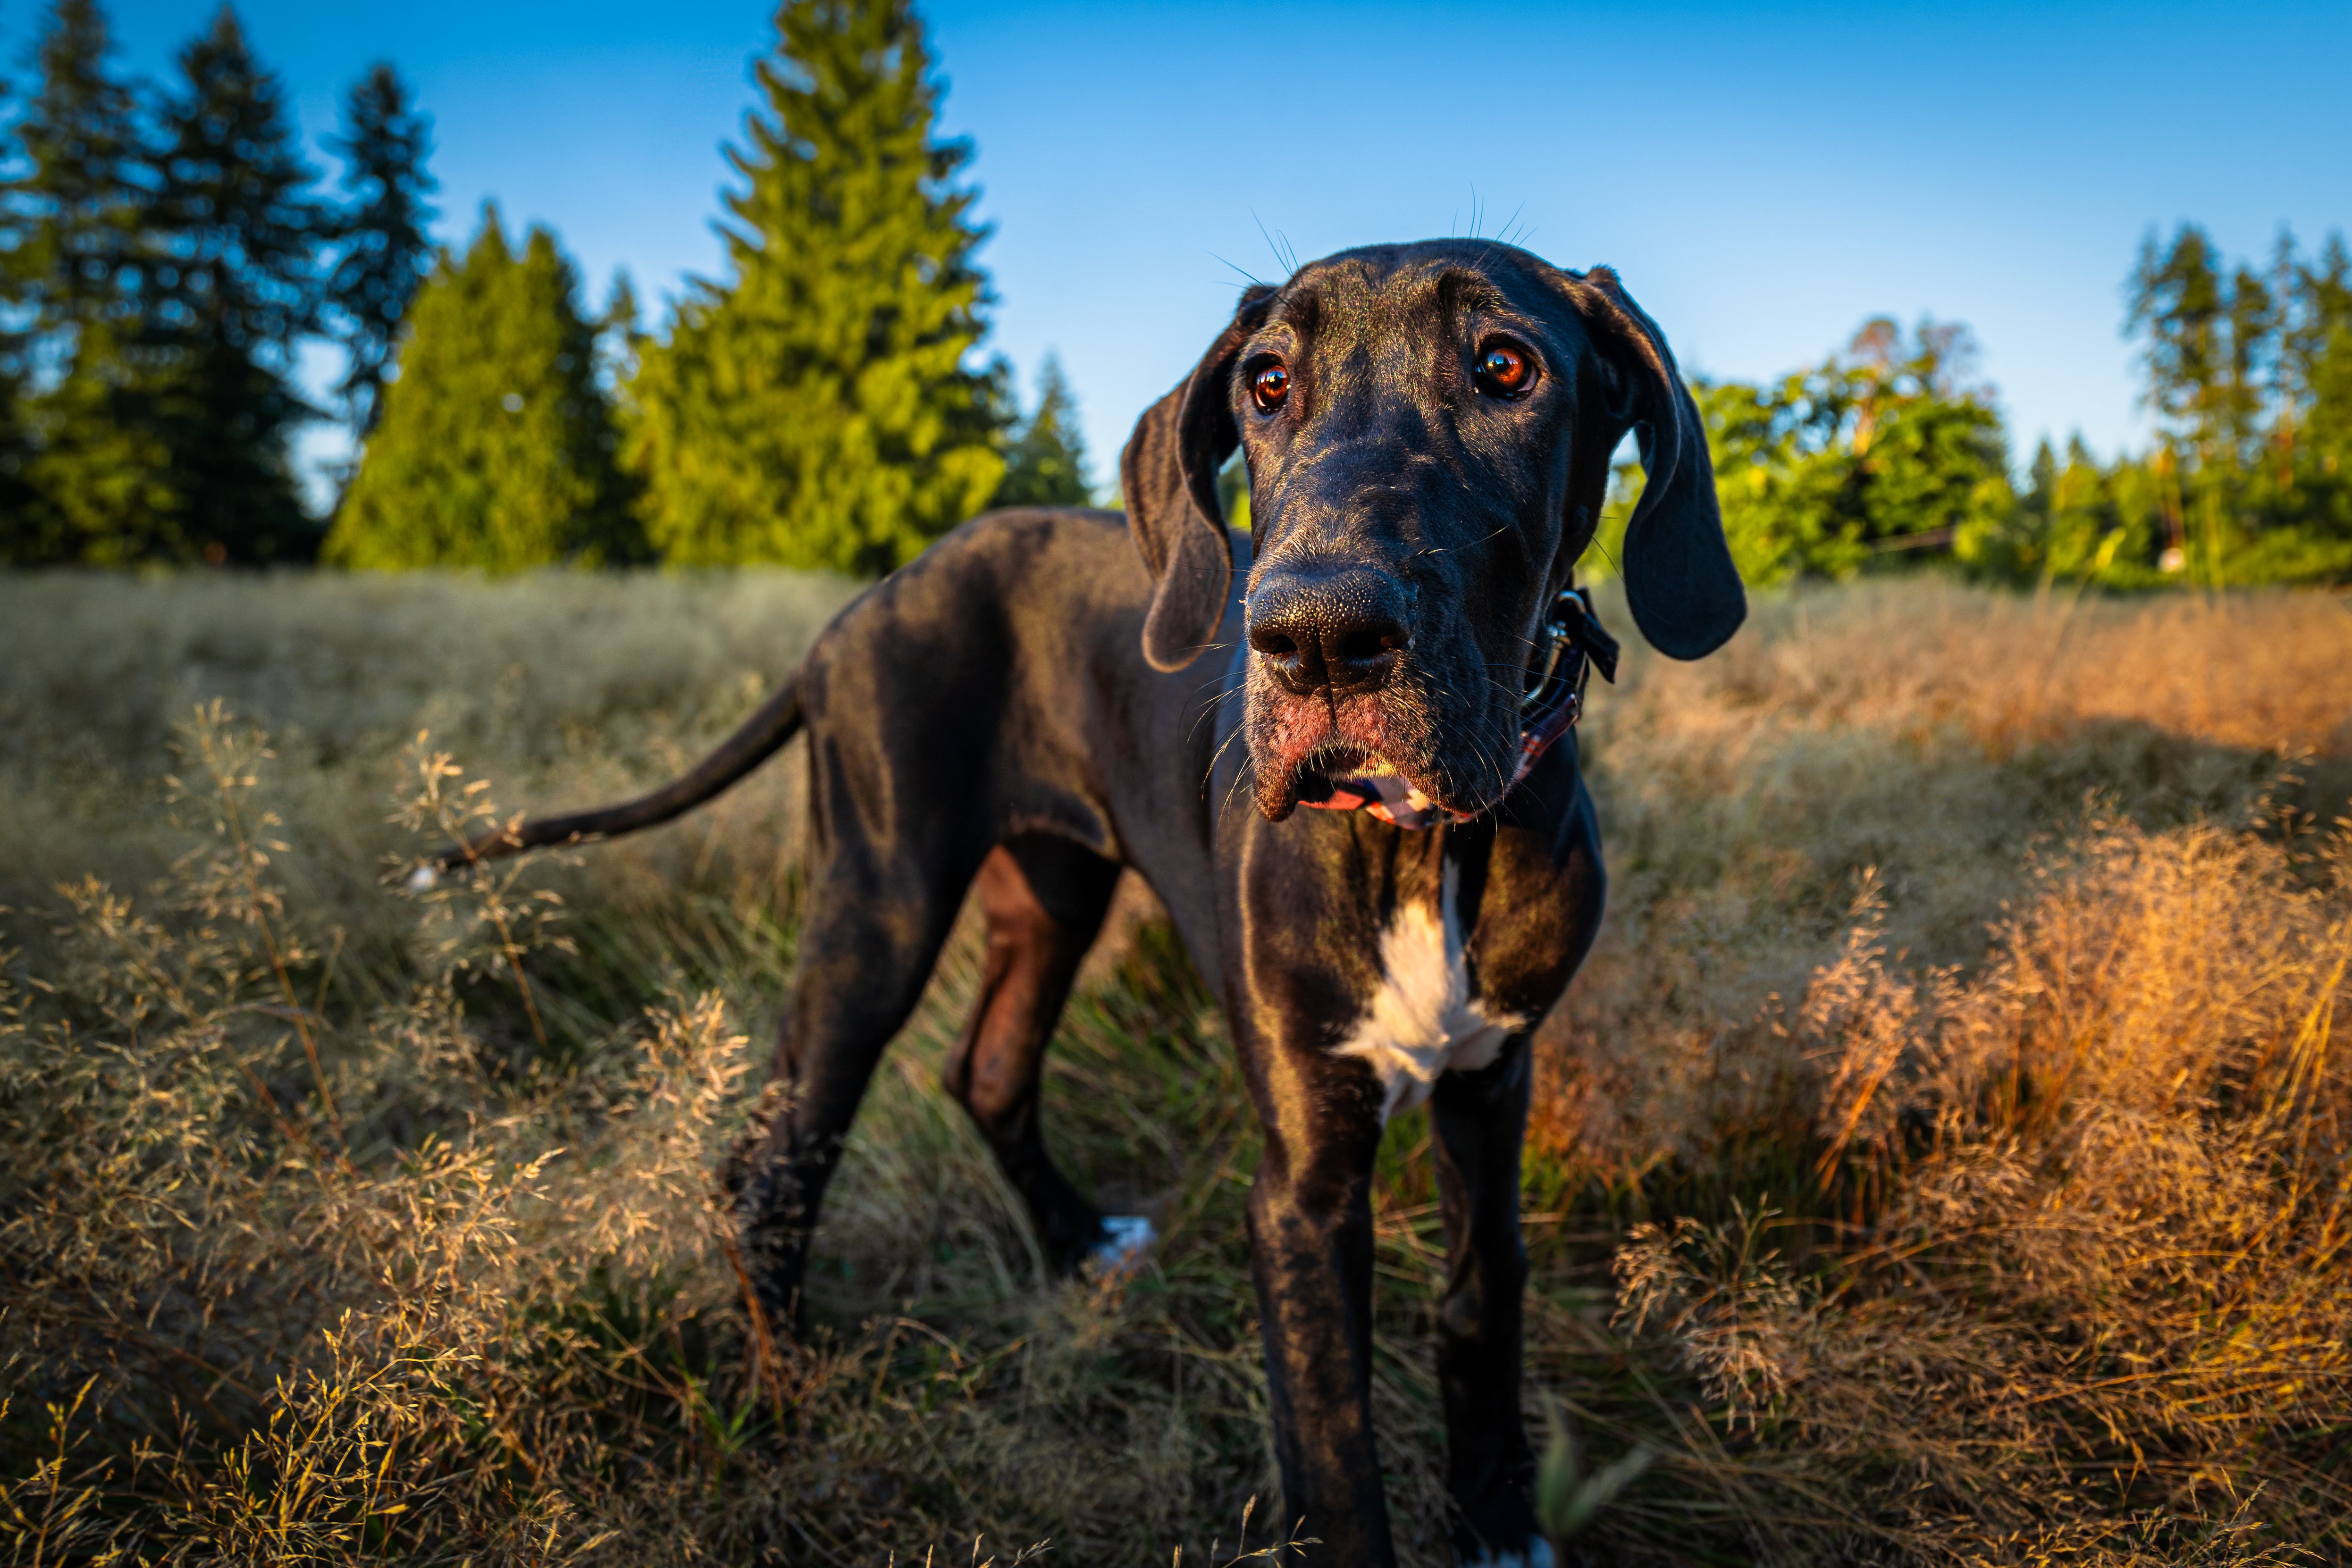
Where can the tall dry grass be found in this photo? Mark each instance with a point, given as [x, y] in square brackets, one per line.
[1943, 1159]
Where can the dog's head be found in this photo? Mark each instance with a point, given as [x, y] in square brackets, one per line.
[1428, 431]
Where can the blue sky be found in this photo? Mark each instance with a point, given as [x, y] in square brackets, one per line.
[1764, 176]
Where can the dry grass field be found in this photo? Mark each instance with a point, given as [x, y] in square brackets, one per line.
[1944, 1159]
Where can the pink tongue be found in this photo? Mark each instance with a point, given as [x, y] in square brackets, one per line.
[1385, 795]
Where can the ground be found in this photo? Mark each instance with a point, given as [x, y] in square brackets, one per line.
[1944, 1158]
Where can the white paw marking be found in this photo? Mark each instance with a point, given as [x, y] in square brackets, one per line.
[1423, 1021]
[1537, 1553]
[422, 879]
[1127, 1237]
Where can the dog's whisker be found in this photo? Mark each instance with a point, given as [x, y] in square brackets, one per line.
[1232, 789]
[1234, 684]
[1449, 549]
[1219, 754]
[1210, 711]
[1254, 280]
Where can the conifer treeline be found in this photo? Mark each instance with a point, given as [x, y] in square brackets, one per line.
[165, 252]
[162, 254]
[496, 446]
[2248, 374]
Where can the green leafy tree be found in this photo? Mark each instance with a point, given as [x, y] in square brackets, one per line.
[1046, 460]
[496, 444]
[1881, 453]
[816, 410]
[232, 273]
[384, 254]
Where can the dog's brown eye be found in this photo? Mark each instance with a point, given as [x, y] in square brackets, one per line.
[1270, 386]
[1504, 371]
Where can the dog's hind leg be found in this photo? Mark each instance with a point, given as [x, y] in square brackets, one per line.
[867, 948]
[1044, 899]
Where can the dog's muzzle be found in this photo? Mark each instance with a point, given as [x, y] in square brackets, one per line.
[1575, 645]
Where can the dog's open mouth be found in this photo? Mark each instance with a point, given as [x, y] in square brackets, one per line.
[1344, 760]
[1339, 769]
[1298, 746]
[1302, 747]
[1321, 771]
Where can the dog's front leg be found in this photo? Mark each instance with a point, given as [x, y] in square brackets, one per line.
[1310, 1222]
[1479, 1119]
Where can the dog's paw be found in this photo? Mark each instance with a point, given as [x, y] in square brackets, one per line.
[1126, 1238]
[422, 879]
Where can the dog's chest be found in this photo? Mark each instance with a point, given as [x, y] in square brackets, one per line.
[1425, 1017]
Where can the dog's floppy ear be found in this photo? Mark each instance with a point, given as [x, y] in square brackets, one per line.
[1169, 473]
[1686, 594]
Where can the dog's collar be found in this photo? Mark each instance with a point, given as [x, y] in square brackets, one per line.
[1576, 645]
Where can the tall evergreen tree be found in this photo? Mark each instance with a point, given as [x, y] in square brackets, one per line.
[1045, 462]
[2238, 371]
[106, 489]
[15, 343]
[2317, 358]
[496, 444]
[73, 207]
[2178, 301]
[2249, 379]
[2312, 493]
[385, 252]
[235, 284]
[77, 204]
[816, 410]
[2212, 351]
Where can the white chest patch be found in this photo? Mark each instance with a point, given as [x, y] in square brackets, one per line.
[1423, 1021]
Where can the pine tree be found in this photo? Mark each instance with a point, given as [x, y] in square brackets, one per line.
[74, 209]
[385, 252]
[2018, 547]
[2318, 358]
[2178, 300]
[816, 411]
[1046, 463]
[106, 487]
[15, 345]
[497, 445]
[2316, 433]
[236, 285]
[78, 205]
[21, 533]
[2042, 488]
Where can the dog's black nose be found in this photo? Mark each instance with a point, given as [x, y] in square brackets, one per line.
[1339, 628]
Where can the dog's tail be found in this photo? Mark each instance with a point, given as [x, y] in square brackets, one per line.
[757, 739]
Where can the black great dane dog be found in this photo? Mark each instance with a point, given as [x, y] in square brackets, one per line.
[1048, 695]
